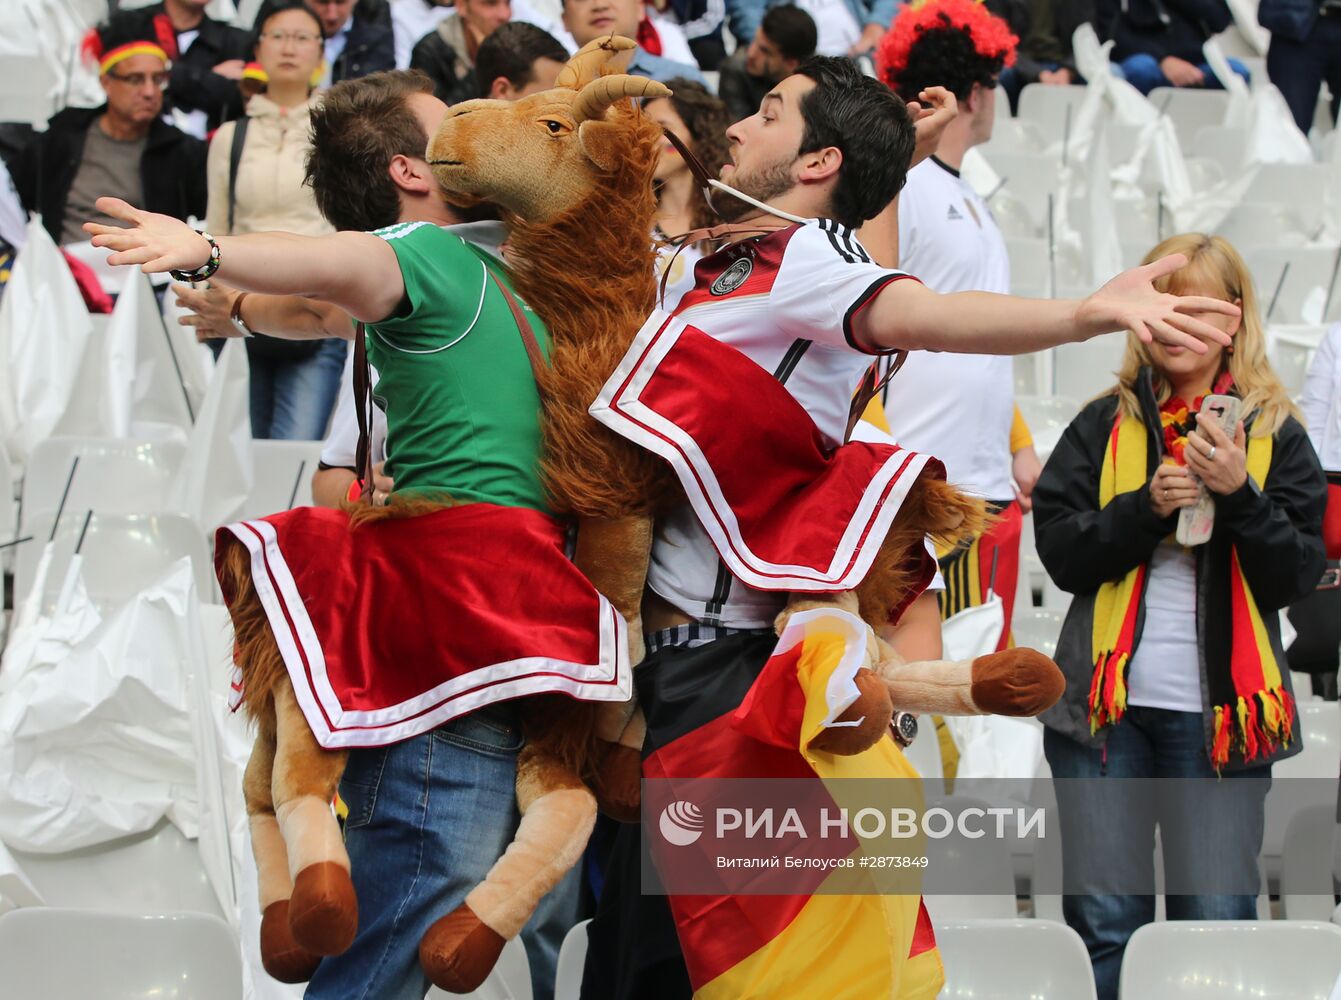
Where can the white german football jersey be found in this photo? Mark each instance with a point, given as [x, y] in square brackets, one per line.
[959, 407]
[786, 301]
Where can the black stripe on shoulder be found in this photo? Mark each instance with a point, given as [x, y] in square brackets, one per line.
[853, 246]
[824, 225]
[791, 359]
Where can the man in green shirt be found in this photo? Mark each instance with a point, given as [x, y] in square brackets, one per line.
[406, 639]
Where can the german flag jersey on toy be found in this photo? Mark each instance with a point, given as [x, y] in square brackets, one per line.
[462, 408]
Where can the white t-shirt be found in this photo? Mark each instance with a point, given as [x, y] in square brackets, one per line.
[411, 20]
[790, 316]
[958, 407]
[1165, 670]
[836, 29]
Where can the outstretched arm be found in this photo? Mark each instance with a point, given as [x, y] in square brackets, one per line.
[909, 316]
[356, 271]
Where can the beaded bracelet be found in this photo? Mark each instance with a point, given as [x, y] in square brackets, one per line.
[206, 270]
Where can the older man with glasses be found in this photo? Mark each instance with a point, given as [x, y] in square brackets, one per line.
[123, 146]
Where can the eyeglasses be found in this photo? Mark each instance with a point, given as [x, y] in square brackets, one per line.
[138, 80]
[297, 37]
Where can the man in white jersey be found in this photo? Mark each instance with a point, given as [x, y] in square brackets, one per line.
[804, 302]
[959, 406]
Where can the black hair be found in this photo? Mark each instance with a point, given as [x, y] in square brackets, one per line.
[947, 57]
[868, 123]
[511, 51]
[272, 7]
[792, 30]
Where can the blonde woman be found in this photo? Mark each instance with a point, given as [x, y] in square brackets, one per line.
[1172, 655]
[256, 171]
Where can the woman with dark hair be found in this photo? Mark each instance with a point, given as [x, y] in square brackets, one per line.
[1172, 653]
[256, 170]
[699, 120]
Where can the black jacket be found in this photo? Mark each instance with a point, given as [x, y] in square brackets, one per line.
[194, 85]
[453, 81]
[371, 45]
[1161, 27]
[172, 169]
[1277, 531]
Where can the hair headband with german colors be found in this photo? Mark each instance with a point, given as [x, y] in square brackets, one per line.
[123, 52]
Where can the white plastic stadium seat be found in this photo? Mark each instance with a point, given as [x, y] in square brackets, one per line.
[1304, 185]
[1320, 761]
[1084, 370]
[123, 554]
[1265, 960]
[1257, 224]
[1013, 959]
[572, 958]
[510, 980]
[1037, 628]
[1047, 417]
[983, 864]
[1306, 865]
[49, 952]
[1290, 349]
[1223, 143]
[1190, 109]
[114, 475]
[279, 467]
[1047, 107]
[1030, 177]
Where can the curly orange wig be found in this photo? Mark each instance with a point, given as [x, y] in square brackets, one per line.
[948, 43]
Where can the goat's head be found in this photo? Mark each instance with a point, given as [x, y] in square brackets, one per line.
[543, 155]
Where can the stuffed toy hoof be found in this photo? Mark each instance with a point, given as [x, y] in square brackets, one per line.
[459, 951]
[323, 911]
[875, 710]
[618, 784]
[283, 957]
[1019, 682]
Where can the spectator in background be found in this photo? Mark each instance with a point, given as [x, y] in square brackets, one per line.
[123, 149]
[845, 27]
[411, 20]
[518, 60]
[1305, 50]
[257, 167]
[207, 58]
[587, 20]
[1172, 655]
[447, 54]
[359, 38]
[1157, 43]
[785, 38]
[700, 21]
[1045, 55]
[960, 407]
[1317, 618]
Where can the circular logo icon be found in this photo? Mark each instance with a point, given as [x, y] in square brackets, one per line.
[681, 823]
[733, 277]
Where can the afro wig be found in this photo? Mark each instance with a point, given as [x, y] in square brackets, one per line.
[944, 43]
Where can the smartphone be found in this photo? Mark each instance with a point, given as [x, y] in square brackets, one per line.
[1196, 523]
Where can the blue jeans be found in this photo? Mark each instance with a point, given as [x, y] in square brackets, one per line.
[1211, 831]
[292, 400]
[427, 819]
[1142, 72]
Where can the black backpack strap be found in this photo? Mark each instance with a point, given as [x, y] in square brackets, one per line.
[363, 404]
[235, 158]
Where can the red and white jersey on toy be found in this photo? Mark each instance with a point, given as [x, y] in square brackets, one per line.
[774, 504]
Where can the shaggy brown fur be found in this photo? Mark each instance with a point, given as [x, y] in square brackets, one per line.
[254, 648]
[590, 275]
[932, 507]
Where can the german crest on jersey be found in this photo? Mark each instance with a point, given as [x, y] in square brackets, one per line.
[733, 277]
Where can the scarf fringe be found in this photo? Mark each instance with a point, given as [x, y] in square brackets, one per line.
[1265, 723]
[1108, 690]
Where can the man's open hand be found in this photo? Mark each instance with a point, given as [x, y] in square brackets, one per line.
[1131, 302]
[156, 242]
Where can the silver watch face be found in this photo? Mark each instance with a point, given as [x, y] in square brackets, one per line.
[905, 727]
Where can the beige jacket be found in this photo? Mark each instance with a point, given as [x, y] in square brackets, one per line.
[270, 189]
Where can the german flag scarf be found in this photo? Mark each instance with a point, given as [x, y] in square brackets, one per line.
[1253, 712]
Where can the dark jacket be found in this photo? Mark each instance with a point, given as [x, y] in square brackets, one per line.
[194, 85]
[371, 45]
[1161, 27]
[172, 169]
[1276, 530]
[1291, 18]
[453, 79]
[740, 91]
[1047, 36]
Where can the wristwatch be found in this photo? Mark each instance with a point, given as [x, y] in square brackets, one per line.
[904, 725]
[235, 316]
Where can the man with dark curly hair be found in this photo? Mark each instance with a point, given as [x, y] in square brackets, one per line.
[960, 407]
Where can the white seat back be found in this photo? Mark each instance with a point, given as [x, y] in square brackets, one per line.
[1306, 865]
[1010, 959]
[572, 960]
[282, 476]
[50, 952]
[984, 864]
[114, 476]
[1266, 960]
[1191, 110]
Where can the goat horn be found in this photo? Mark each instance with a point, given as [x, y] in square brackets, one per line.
[595, 97]
[586, 64]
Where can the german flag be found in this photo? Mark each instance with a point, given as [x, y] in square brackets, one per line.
[747, 706]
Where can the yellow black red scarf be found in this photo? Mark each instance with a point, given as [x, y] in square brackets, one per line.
[1253, 711]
